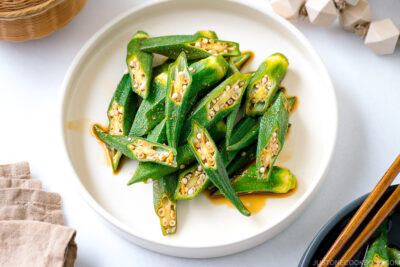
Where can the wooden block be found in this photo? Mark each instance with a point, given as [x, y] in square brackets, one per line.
[289, 9]
[382, 37]
[353, 15]
[352, 2]
[321, 12]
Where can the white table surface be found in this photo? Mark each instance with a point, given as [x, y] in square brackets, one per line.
[368, 92]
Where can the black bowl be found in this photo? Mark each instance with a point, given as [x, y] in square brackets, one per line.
[328, 234]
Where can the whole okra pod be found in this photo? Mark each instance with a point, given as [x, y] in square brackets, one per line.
[245, 157]
[206, 153]
[165, 205]
[281, 181]
[218, 103]
[377, 254]
[139, 148]
[179, 86]
[271, 136]
[265, 83]
[195, 46]
[139, 65]
[120, 113]
[185, 157]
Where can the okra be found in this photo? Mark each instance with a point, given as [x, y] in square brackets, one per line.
[152, 109]
[218, 103]
[245, 157]
[139, 65]
[159, 133]
[165, 205]
[120, 113]
[185, 157]
[241, 60]
[230, 123]
[249, 127]
[206, 153]
[377, 254]
[139, 148]
[265, 83]
[394, 256]
[194, 180]
[271, 136]
[195, 46]
[281, 181]
[179, 86]
[232, 69]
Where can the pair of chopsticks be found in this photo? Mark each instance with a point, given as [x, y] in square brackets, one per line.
[360, 216]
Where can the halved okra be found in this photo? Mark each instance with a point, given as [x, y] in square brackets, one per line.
[218, 103]
[120, 113]
[179, 86]
[152, 109]
[265, 83]
[139, 65]
[194, 180]
[195, 46]
[243, 59]
[165, 205]
[139, 148]
[394, 256]
[377, 254]
[206, 153]
[185, 157]
[281, 181]
[273, 129]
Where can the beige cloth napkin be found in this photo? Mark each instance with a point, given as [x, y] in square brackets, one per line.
[31, 231]
[30, 243]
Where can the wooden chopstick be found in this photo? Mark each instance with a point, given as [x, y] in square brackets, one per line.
[371, 227]
[362, 213]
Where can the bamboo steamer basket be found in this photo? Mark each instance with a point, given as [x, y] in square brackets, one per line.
[22, 20]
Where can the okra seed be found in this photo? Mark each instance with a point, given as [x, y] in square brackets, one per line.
[212, 113]
[262, 169]
[198, 182]
[184, 180]
[264, 80]
[191, 69]
[172, 214]
[174, 96]
[212, 41]
[257, 85]
[203, 176]
[226, 51]
[274, 134]
[199, 169]
[206, 165]
[205, 41]
[160, 212]
[172, 223]
[190, 192]
[164, 222]
[230, 101]
[120, 109]
[227, 87]
[184, 87]
[129, 138]
[198, 135]
[197, 44]
[241, 83]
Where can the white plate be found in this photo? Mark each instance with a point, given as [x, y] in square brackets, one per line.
[204, 229]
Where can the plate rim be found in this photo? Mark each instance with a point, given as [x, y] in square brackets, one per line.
[251, 240]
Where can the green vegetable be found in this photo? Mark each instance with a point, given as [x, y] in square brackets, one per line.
[121, 112]
[179, 86]
[159, 133]
[250, 134]
[232, 69]
[195, 46]
[218, 103]
[139, 64]
[280, 181]
[244, 158]
[185, 157]
[139, 148]
[165, 204]
[271, 136]
[265, 83]
[206, 153]
[152, 109]
[241, 60]
[394, 256]
[377, 254]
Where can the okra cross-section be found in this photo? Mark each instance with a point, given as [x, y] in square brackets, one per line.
[207, 155]
[265, 83]
[273, 128]
[139, 64]
[139, 148]
[218, 103]
[280, 182]
[178, 98]
[191, 182]
[165, 205]
[195, 46]
[120, 115]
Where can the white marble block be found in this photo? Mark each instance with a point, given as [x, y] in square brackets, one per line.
[353, 15]
[382, 37]
[289, 9]
[321, 12]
